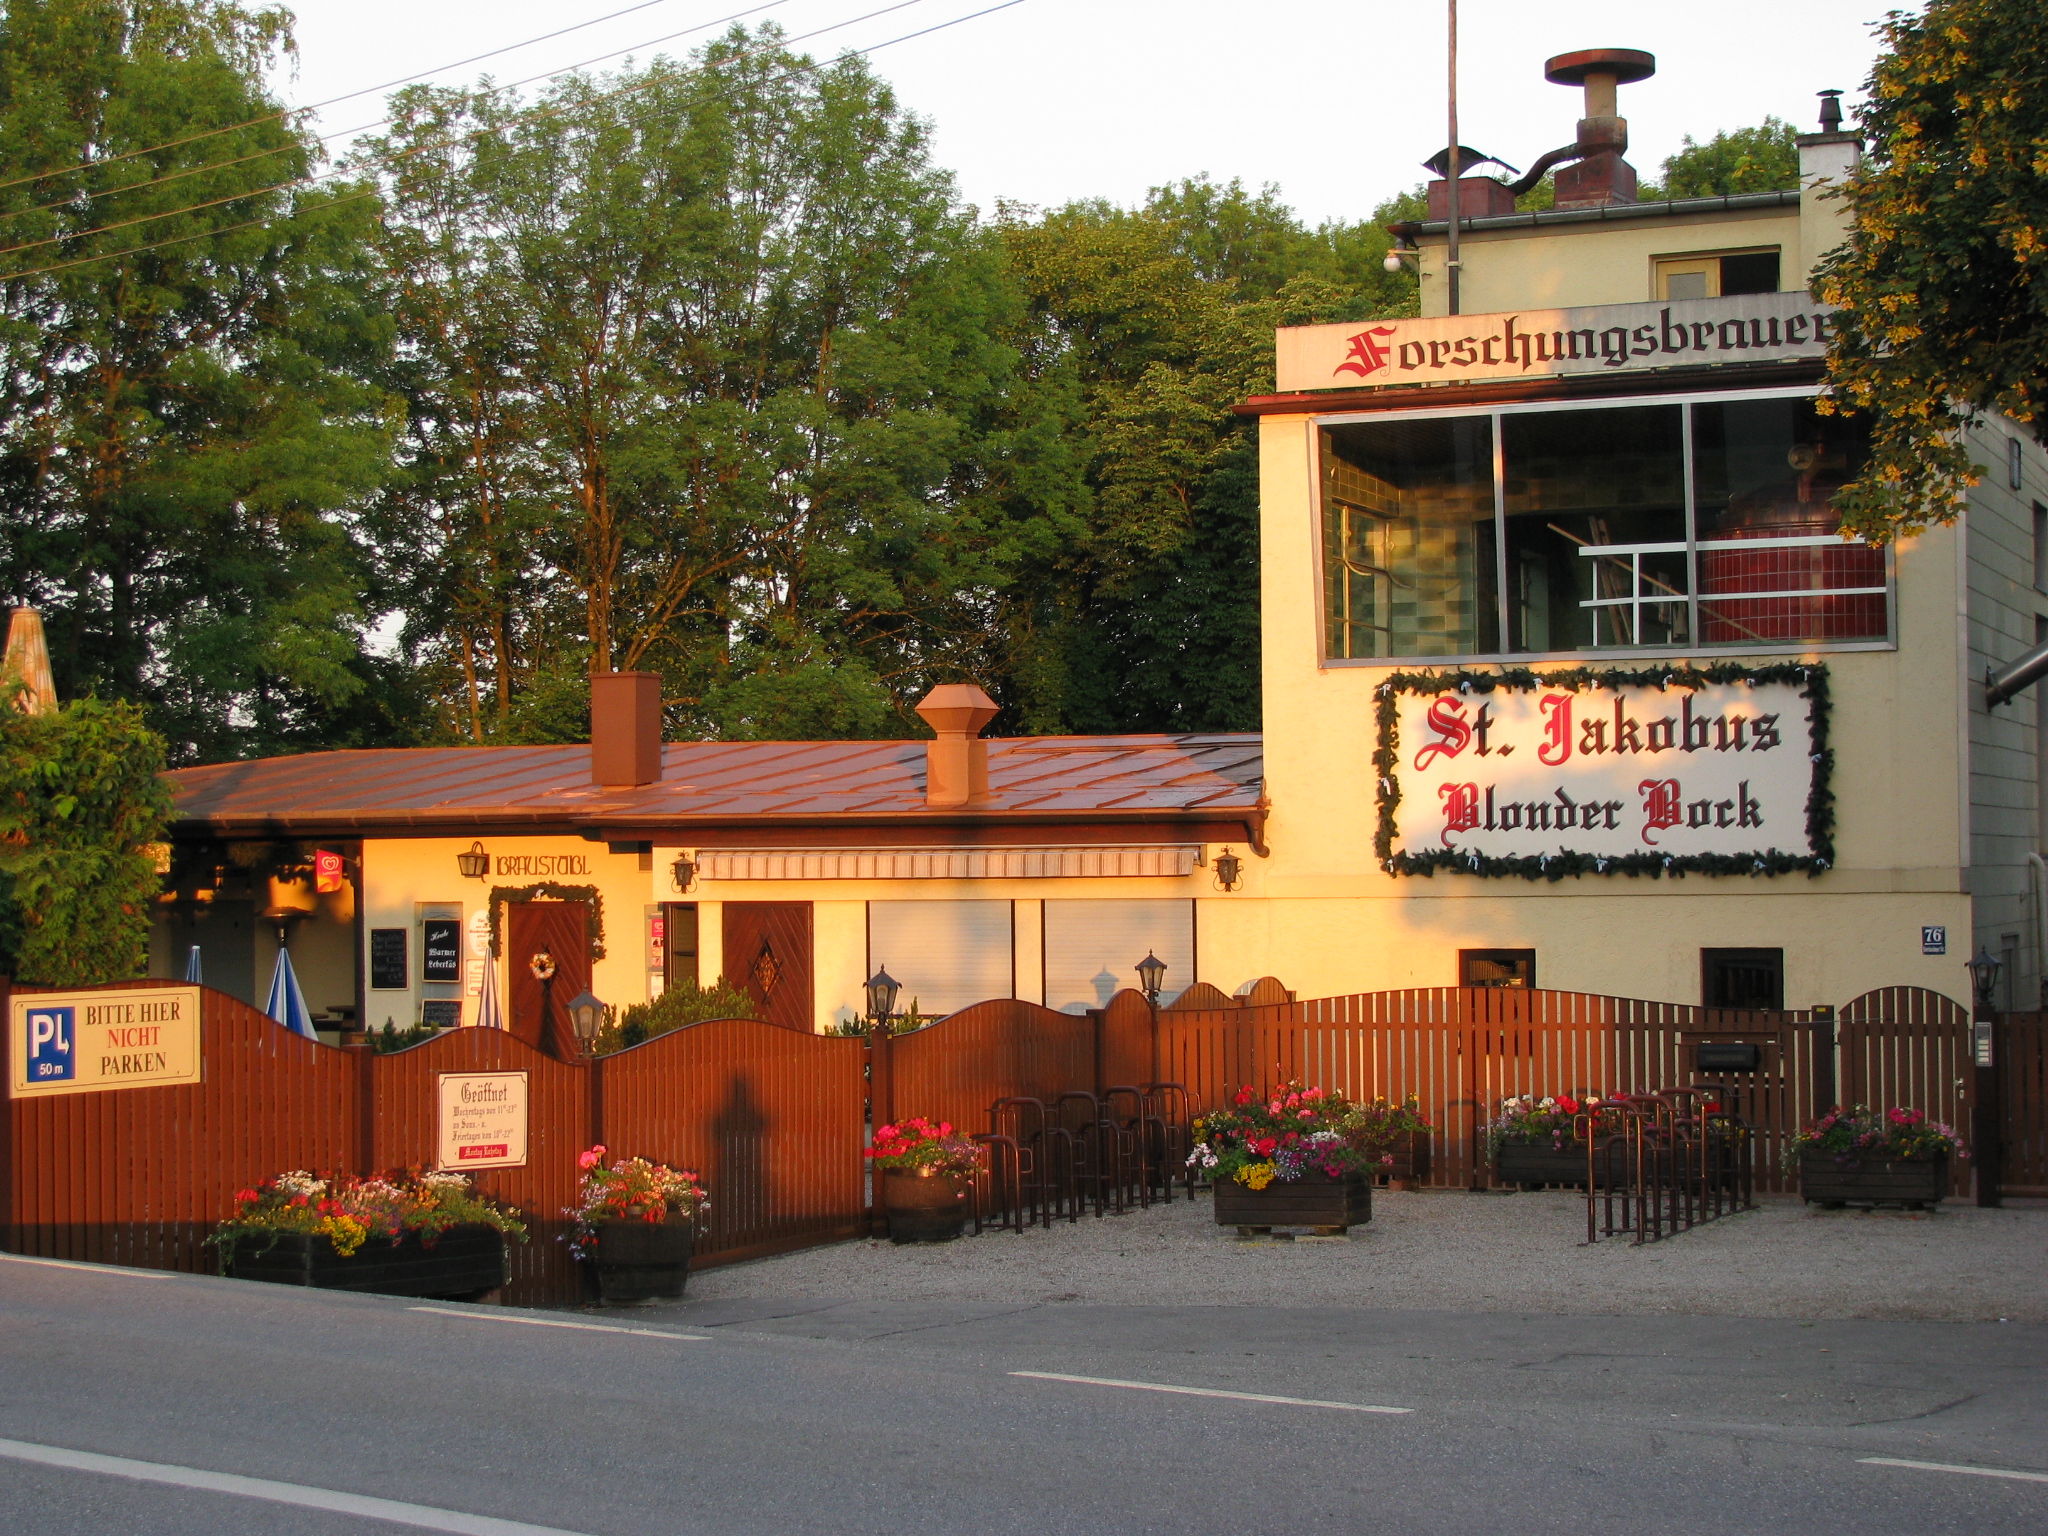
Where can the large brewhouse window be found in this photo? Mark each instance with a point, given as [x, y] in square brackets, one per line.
[1573, 529]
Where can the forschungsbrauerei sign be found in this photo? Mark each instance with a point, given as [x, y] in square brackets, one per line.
[481, 1120]
[89, 1042]
[1538, 343]
[1574, 775]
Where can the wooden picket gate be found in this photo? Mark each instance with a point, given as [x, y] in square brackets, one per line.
[775, 1120]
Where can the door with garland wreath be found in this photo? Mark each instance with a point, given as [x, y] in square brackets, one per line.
[768, 957]
[562, 928]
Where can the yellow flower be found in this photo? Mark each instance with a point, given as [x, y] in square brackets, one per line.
[1257, 1175]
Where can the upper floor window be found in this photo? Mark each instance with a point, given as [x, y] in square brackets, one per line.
[1718, 276]
[1691, 524]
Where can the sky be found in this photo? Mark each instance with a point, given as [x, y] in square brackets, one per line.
[1047, 101]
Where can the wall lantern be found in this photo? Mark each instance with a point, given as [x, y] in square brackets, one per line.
[684, 870]
[1229, 871]
[1984, 976]
[882, 990]
[586, 1016]
[1150, 970]
[474, 864]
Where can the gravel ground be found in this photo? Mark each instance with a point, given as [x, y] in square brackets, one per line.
[1521, 1253]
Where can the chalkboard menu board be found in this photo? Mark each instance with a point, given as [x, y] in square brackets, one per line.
[442, 1012]
[387, 959]
[441, 949]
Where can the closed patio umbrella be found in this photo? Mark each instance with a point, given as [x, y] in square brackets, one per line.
[490, 1013]
[287, 1003]
[194, 972]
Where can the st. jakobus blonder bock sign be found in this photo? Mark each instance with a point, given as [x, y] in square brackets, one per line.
[89, 1042]
[1664, 771]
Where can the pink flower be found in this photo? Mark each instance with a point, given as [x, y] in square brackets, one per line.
[589, 1160]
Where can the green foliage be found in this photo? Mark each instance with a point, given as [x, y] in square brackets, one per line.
[684, 1003]
[1943, 283]
[1760, 159]
[182, 429]
[81, 804]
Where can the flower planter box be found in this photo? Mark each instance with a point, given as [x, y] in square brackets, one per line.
[1329, 1205]
[921, 1209]
[636, 1261]
[1532, 1164]
[1411, 1164]
[466, 1261]
[1832, 1181]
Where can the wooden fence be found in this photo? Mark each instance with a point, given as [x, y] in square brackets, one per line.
[775, 1120]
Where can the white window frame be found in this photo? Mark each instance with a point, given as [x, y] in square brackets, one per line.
[1494, 414]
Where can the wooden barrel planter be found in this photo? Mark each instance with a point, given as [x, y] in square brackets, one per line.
[1331, 1206]
[1831, 1181]
[635, 1261]
[465, 1261]
[924, 1210]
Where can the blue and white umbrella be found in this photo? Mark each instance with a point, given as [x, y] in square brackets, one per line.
[194, 972]
[287, 1003]
[490, 1014]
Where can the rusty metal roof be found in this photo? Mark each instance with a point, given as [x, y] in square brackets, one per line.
[443, 790]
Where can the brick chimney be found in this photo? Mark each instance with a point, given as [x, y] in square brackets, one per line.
[956, 760]
[625, 728]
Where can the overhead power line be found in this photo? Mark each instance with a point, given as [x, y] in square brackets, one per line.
[369, 90]
[367, 192]
[312, 180]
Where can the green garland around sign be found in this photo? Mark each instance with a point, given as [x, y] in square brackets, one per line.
[594, 909]
[1820, 799]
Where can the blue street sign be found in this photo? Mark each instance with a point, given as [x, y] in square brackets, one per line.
[50, 1036]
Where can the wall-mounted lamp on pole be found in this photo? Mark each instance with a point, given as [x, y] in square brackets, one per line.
[1151, 970]
[1984, 977]
[684, 871]
[474, 864]
[882, 989]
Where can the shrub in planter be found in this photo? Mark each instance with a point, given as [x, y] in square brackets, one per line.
[1395, 1138]
[925, 1168]
[635, 1225]
[1298, 1157]
[1536, 1141]
[417, 1234]
[1875, 1156]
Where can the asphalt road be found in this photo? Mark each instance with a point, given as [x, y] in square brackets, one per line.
[906, 1418]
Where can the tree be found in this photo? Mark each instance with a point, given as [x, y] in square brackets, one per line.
[81, 803]
[706, 374]
[185, 415]
[1942, 286]
[1760, 159]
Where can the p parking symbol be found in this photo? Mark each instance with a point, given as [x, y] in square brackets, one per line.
[51, 1040]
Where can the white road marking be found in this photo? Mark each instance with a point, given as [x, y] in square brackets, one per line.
[1243, 1397]
[424, 1516]
[92, 1269]
[556, 1322]
[1949, 1466]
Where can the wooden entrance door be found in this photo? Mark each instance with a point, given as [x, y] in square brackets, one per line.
[768, 957]
[562, 928]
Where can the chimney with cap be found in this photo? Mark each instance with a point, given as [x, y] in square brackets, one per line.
[956, 759]
[1600, 178]
[625, 728]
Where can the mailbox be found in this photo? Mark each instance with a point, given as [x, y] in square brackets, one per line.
[1729, 1056]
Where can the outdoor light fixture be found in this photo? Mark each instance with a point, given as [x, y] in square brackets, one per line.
[1403, 248]
[685, 871]
[474, 864]
[1150, 970]
[1229, 871]
[882, 990]
[1984, 975]
[586, 1015]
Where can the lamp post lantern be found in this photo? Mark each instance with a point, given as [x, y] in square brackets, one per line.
[586, 1017]
[1150, 971]
[882, 989]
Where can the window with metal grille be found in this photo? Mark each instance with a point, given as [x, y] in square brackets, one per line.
[1743, 978]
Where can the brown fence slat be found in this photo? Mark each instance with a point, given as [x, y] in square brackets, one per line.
[2021, 1048]
[1910, 1047]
